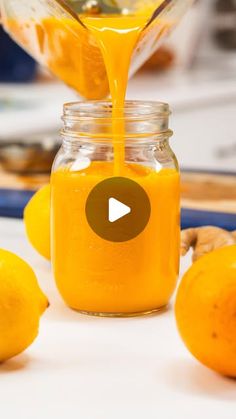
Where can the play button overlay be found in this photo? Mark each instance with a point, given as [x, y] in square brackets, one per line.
[118, 209]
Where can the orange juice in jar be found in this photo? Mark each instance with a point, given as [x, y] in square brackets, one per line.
[115, 237]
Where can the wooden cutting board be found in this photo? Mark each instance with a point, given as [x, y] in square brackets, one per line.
[13, 181]
[209, 191]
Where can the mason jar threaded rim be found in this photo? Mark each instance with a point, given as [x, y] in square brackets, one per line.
[98, 109]
[95, 120]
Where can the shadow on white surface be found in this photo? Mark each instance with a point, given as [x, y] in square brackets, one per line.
[190, 377]
[60, 312]
[15, 364]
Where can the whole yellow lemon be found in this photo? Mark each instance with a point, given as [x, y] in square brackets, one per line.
[21, 305]
[206, 310]
[37, 221]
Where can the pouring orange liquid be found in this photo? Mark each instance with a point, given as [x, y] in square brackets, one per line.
[92, 274]
[117, 37]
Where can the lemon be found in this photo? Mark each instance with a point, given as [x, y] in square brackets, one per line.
[21, 305]
[206, 310]
[37, 221]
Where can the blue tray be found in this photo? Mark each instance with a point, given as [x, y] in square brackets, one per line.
[13, 202]
[197, 218]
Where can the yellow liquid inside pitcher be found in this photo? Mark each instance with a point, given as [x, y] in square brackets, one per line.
[92, 274]
[72, 50]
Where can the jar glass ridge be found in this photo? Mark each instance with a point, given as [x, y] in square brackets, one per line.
[88, 132]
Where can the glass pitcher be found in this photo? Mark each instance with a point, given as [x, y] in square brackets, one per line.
[54, 34]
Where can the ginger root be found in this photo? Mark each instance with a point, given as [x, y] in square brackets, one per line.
[205, 239]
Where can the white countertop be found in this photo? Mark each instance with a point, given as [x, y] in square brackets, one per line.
[92, 368]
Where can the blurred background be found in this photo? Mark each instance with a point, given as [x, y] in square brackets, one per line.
[194, 71]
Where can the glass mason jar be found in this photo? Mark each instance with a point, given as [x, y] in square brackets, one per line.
[97, 275]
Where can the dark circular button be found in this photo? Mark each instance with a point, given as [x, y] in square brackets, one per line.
[118, 209]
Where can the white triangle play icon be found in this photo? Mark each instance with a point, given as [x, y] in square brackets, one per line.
[117, 210]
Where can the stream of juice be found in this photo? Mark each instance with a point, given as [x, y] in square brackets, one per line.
[117, 37]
